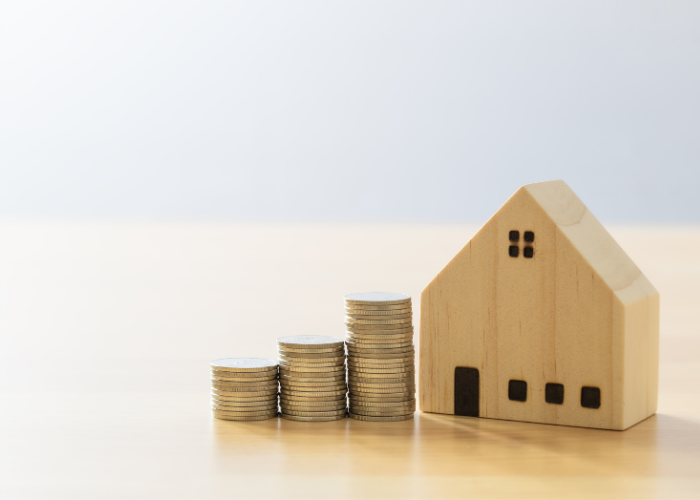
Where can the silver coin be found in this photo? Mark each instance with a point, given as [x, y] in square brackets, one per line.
[244, 365]
[375, 312]
[380, 419]
[374, 298]
[378, 307]
[312, 419]
[310, 342]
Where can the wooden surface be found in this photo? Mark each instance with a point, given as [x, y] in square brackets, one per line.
[106, 332]
[578, 313]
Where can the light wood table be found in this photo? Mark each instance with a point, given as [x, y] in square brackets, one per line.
[106, 331]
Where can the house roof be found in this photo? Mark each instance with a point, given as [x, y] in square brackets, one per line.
[588, 236]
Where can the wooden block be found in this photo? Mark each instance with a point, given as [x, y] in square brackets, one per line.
[541, 295]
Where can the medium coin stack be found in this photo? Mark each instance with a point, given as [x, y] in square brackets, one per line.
[312, 378]
[381, 356]
[244, 388]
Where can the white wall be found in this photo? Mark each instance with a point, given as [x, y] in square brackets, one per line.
[429, 111]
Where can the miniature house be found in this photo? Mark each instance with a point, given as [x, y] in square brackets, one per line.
[541, 317]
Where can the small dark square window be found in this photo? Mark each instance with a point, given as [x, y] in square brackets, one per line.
[528, 252]
[513, 251]
[514, 235]
[529, 236]
[590, 397]
[554, 394]
[517, 390]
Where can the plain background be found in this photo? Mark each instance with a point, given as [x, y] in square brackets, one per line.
[347, 111]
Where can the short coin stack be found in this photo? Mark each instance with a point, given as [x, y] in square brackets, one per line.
[312, 378]
[244, 388]
[381, 356]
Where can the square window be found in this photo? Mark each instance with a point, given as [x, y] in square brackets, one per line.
[590, 397]
[554, 394]
[517, 390]
[514, 235]
[528, 252]
[513, 251]
[529, 236]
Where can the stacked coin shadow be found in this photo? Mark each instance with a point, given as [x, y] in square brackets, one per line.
[381, 356]
[312, 378]
[244, 389]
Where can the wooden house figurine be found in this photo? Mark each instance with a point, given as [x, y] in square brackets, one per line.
[541, 317]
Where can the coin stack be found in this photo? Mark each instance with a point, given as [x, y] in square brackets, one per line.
[381, 356]
[244, 388]
[312, 378]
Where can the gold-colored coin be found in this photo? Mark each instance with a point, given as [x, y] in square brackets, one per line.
[394, 387]
[401, 356]
[336, 353]
[378, 319]
[377, 324]
[259, 413]
[312, 419]
[359, 372]
[381, 346]
[319, 394]
[367, 418]
[247, 380]
[285, 368]
[261, 408]
[238, 383]
[358, 363]
[372, 334]
[244, 395]
[331, 413]
[309, 342]
[323, 375]
[317, 362]
[372, 413]
[377, 298]
[313, 380]
[310, 410]
[384, 404]
[362, 352]
[244, 419]
[311, 399]
[300, 350]
[243, 404]
[244, 365]
[315, 388]
[394, 380]
[318, 405]
[383, 339]
[244, 399]
[378, 330]
[244, 375]
[225, 386]
[349, 311]
[392, 392]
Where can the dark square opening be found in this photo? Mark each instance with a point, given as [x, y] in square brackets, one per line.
[529, 236]
[517, 390]
[590, 397]
[513, 251]
[554, 393]
[528, 252]
[514, 235]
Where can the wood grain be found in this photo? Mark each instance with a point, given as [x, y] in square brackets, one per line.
[578, 313]
[107, 331]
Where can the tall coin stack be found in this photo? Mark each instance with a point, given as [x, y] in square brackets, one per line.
[244, 388]
[381, 356]
[312, 378]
